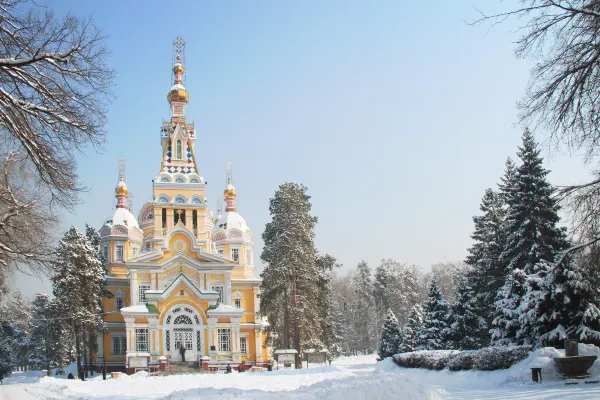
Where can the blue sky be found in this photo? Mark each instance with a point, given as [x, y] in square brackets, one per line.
[396, 116]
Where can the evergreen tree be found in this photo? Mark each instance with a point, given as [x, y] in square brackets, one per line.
[290, 279]
[432, 336]
[17, 310]
[412, 329]
[487, 273]
[468, 330]
[364, 310]
[506, 322]
[325, 303]
[78, 283]
[532, 236]
[50, 335]
[10, 337]
[391, 336]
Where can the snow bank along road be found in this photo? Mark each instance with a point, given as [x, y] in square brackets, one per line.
[350, 378]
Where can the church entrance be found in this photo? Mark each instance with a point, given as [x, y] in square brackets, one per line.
[183, 328]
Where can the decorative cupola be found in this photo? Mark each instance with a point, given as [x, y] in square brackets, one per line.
[121, 191]
[178, 96]
[229, 196]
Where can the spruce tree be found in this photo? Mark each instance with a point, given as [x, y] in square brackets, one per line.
[10, 337]
[531, 237]
[468, 330]
[412, 328]
[487, 272]
[290, 287]
[18, 311]
[78, 283]
[432, 336]
[50, 335]
[325, 302]
[364, 310]
[391, 336]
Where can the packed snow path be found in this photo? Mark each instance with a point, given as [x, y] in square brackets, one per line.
[350, 378]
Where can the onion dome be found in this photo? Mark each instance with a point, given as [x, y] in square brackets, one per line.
[121, 188]
[177, 93]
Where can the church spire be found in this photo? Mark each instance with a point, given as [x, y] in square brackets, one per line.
[121, 190]
[178, 96]
[229, 194]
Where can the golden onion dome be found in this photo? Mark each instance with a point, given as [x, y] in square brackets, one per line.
[178, 93]
[230, 191]
[178, 69]
[121, 187]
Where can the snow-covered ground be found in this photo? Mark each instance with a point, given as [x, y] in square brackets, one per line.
[349, 378]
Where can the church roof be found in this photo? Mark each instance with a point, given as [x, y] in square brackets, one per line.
[232, 220]
[123, 216]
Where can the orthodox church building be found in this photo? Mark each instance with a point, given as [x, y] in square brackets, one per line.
[180, 277]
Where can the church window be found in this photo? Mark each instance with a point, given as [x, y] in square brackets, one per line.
[244, 345]
[147, 247]
[195, 220]
[181, 292]
[119, 303]
[141, 339]
[224, 339]
[168, 337]
[119, 345]
[235, 255]
[142, 293]
[198, 340]
[182, 320]
[164, 218]
[193, 180]
[119, 252]
[220, 251]
[105, 252]
[238, 303]
[178, 150]
[248, 257]
[219, 290]
[134, 251]
[164, 180]
[179, 180]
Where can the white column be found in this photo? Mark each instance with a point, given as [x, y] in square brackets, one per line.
[130, 329]
[153, 336]
[208, 283]
[258, 344]
[100, 340]
[201, 280]
[235, 331]
[133, 288]
[153, 281]
[256, 301]
[227, 288]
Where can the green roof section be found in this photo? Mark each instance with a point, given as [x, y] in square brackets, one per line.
[212, 307]
[152, 309]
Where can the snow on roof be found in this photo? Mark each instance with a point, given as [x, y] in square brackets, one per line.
[177, 86]
[286, 351]
[232, 220]
[123, 216]
[138, 308]
[310, 351]
[226, 308]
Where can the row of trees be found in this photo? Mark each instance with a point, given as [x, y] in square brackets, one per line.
[50, 332]
[525, 283]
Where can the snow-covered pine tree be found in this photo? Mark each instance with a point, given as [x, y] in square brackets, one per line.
[584, 283]
[433, 334]
[10, 337]
[78, 283]
[531, 235]
[18, 310]
[468, 330]
[364, 310]
[391, 336]
[51, 337]
[325, 302]
[506, 323]
[412, 329]
[289, 290]
[99, 326]
[486, 273]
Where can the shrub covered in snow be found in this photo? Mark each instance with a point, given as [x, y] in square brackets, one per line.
[487, 359]
[429, 359]
[493, 358]
[462, 361]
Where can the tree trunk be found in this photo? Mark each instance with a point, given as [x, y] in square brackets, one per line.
[77, 348]
[85, 355]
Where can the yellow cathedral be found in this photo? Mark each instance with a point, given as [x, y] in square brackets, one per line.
[180, 277]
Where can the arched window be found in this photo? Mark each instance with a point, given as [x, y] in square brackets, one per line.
[178, 180]
[178, 150]
[193, 180]
[182, 320]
